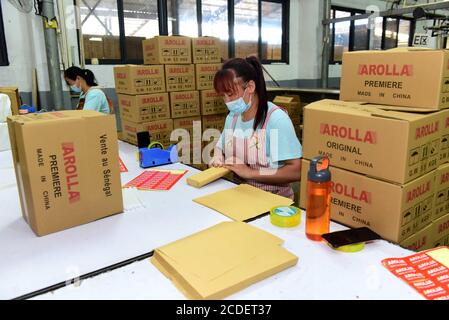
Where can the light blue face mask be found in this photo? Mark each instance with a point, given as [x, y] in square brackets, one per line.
[239, 105]
[75, 89]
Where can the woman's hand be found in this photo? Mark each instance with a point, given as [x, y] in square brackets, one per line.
[217, 160]
[239, 168]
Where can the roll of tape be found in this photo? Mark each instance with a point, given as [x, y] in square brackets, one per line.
[285, 216]
[356, 247]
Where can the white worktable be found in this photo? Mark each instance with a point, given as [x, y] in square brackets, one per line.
[321, 273]
[29, 263]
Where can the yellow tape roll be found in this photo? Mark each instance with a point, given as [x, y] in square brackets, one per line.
[285, 216]
[356, 247]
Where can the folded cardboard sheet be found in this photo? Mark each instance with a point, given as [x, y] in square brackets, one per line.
[243, 202]
[222, 260]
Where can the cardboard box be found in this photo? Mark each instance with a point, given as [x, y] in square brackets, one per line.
[167, 50]
[184, 104]
[394, 211]
[13, 94]
[421, 240]
[111, 47]
[187, 146]
[67, 168]
[206, 50]
[441, 192]
[134, 47]
[205, 74]
[224, 49]
[444, 143]
[180, 77]
[134, 79]
[440, 232]
[144, 108]
[410, 78]
[389, 145]
[212, 103]
[292, 105]
[187, 124]
[159, 130]
[216, 121]
[277, 53]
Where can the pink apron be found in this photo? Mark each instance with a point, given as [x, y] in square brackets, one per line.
[252, 151]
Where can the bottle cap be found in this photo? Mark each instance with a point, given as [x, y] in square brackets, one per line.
[322, 174]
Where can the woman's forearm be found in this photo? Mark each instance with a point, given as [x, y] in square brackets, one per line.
[291, 172]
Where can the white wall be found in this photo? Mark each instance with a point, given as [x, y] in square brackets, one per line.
[26, 50]
[305, 43]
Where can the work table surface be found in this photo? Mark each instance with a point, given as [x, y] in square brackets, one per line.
[31, 266]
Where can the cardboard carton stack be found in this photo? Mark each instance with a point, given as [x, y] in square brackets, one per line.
[292, 105]
[173, 90]
[389, 167]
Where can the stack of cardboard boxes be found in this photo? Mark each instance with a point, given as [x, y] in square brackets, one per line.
[292, 105]
[389, 167]
[171, 91]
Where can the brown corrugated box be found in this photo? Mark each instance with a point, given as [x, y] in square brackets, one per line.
[205, 74]
[111, 47]
[67, 168]
[184, 104]
[195, 135]
[292, 105]
[167, 50]
[134, 79]
[187, 123]
[444, 143]
[13, 94]
[390, 145]
[216, 121]
[404, 77]
[180, 77]
[134, 47]
[440, 232]
[394, 211]
[212, 103]
[441, 191]
[206, 50]
[160, 131]
[144, 108]
[421, 240]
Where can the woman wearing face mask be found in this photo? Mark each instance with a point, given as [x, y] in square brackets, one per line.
[259, 143]
[82, 81]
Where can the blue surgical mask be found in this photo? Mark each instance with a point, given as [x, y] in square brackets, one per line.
[239, 105]
[76, 89]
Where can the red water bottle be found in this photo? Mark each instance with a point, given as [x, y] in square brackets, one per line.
[318, 198]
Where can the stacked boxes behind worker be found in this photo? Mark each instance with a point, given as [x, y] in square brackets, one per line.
[186, 67]
[388, 167]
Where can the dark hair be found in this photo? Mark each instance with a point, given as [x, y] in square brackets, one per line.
[73, 72]
[247, 69]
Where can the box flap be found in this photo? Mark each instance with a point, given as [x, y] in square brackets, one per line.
[363, 109]
[55, 115]
[283, 99]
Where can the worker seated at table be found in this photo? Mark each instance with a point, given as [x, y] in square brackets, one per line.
[258, 143]
[83, 81]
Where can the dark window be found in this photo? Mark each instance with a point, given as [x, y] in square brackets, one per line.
[3, 52]
[113, 30]
[354, 35]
